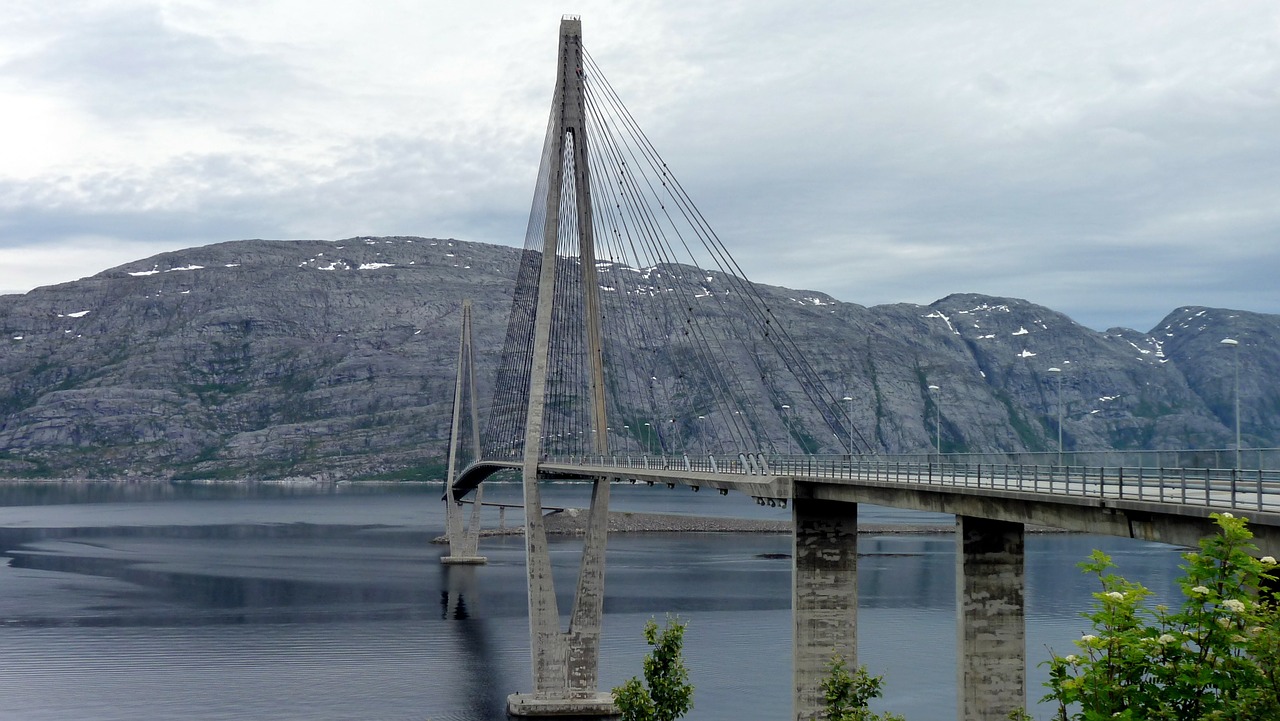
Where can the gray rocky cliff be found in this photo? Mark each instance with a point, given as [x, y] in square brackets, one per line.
[335, 359]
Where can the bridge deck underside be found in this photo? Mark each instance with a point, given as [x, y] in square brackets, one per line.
[1166, 522]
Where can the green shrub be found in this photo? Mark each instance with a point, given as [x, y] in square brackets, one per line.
[1214, 657]
[668, 695]
[847, 694]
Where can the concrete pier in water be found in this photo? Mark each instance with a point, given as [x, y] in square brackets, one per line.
[824, 603]
[991, 627]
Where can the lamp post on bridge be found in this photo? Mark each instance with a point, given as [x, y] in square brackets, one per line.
[1234, 345]
[1058, 372]
[648, 439]
[786, 426]
[849, 420]
[937, 422]
[702, 434]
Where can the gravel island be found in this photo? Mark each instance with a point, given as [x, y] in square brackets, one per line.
[573, 522]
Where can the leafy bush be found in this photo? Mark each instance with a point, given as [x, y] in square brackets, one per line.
[1215, 657]
[669, 694]
[847, 694]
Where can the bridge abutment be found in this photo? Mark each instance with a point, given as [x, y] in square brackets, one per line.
[991, 626]
[824, 602]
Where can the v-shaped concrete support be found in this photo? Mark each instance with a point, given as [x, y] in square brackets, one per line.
[464, 540]
[565, 662]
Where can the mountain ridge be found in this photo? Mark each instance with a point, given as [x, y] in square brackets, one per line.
[335, 359]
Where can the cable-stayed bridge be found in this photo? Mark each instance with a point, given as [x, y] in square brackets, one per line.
[636, 349]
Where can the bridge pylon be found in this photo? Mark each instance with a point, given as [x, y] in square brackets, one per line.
[463, 538]
[565, 663]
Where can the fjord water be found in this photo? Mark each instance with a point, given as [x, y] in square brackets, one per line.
[261, 601]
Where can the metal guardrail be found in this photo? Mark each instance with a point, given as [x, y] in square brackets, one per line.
[1250, 458]
[1244, 490]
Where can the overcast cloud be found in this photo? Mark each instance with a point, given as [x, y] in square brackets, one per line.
[1110, 159]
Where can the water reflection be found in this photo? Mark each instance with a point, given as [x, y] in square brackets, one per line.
[332, 604]
[486, 699]
[459, 582]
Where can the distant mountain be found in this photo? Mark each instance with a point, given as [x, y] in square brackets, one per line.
[269, 359]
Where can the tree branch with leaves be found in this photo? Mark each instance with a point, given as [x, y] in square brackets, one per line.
[666, 693]
[1214, 657]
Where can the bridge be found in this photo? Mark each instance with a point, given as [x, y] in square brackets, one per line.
[637, 351]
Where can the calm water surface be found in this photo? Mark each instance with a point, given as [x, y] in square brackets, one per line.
[136, 601]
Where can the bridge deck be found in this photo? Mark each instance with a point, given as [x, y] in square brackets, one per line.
[1163, 504]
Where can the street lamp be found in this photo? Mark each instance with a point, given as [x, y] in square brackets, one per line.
[937, 421]
[787, 426]
[702, 434]
[849, 419]
[1058, 372]
[648, 440]
[1234, 345]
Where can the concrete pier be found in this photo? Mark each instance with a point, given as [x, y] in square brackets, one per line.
[824, 603]
[565, 663]
[464, 540]
[991, 628]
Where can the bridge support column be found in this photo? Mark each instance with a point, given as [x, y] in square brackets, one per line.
[463, 540]
[991, 629]
[565, 662]
[824, 602]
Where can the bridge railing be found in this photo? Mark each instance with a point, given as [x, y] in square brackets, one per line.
[1250, 458]
[1236, 489]
[742, 464]
[1218, 488]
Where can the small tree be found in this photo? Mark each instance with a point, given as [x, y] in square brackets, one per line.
[669, 694]
[847, 694]
[1213, 658]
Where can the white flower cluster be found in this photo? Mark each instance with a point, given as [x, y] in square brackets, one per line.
[1269, 560]
[1166, 639]
[1233, 605]
[1115, 596]
[1200, 590]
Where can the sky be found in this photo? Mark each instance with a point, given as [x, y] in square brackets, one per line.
[1110, 159]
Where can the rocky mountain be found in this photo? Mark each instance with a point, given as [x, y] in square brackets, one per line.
[335, 359]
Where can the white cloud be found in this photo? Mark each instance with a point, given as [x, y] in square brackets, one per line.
[1113, 160]
[72, 258]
